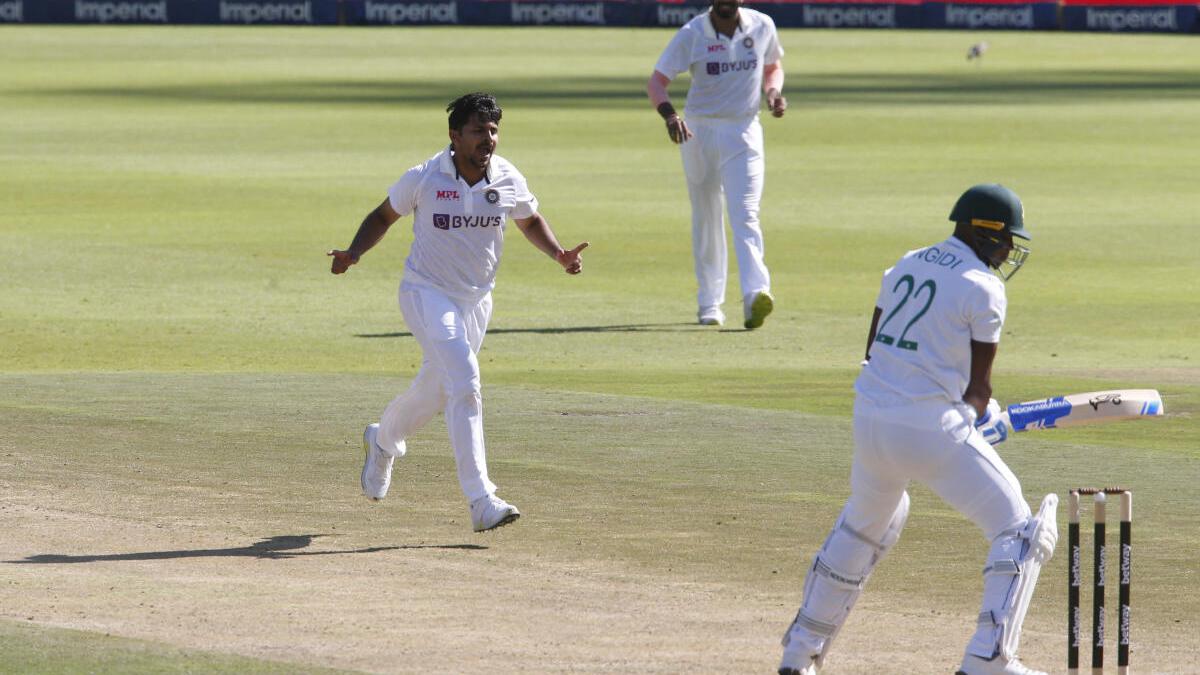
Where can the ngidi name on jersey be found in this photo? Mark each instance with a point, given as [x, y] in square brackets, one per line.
[458, 229]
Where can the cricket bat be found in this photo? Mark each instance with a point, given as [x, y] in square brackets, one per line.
[1075, 410]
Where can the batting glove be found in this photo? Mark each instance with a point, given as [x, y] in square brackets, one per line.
[992, 424]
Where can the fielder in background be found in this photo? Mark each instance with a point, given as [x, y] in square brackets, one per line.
[924, 385]
[733, 55]
[461, 200]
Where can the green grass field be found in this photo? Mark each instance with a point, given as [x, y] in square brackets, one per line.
[183, 384]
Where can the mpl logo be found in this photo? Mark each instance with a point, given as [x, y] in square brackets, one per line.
[12, 11]
[108, 12]
[716, 48]
[447, 195]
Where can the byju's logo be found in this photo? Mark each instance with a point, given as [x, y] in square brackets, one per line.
[277, 12]
[718, 67]
[107, 12]
[447, 195]
[444, 221]
[12, 11]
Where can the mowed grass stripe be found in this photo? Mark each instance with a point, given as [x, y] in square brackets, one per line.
[682, 492]
[168, 185]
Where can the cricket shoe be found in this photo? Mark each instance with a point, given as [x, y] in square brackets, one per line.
[489, 512]
[711, 316]
[797, 664]
[798, 658]
[975, 665]
[377, 465]
[810, 669]
[757, 306]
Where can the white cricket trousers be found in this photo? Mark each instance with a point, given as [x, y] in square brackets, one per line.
[935, 443]
[725, 156]
[450, 333]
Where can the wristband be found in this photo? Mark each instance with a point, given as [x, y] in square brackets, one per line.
[667, 110]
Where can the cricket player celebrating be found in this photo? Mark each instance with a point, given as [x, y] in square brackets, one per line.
[923, 411]
[461, 200]
[733, 55]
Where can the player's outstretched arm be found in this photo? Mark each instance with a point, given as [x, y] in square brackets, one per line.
[372, 229]
[538, 232]
[979, 388]
[656, 89]
[773, 88]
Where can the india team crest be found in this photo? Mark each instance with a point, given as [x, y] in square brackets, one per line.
[491, 196]
[748, 43]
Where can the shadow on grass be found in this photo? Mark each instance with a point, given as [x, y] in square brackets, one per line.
[961, 87]
[277, 548]
[630, 328]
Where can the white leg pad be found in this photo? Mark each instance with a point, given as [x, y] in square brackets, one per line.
[839, 572]
[1014, 562]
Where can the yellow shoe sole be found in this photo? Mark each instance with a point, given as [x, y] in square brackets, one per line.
[759, 310]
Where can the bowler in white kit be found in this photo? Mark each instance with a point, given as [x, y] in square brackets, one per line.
[733, 55]
[923, 411]
[461, 200]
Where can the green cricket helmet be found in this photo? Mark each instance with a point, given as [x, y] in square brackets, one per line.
[995, 217]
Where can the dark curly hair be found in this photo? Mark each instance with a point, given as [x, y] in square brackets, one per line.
[467, 106]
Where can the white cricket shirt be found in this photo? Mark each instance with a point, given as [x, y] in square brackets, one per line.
[726, 72]
[935, 300]
[458, 229]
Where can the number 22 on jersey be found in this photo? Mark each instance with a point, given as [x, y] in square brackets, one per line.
[920, 294]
